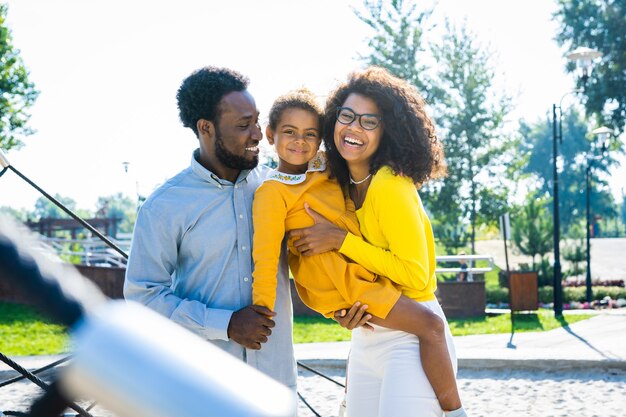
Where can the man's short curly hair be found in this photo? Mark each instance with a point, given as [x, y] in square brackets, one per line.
[200, 93]
[409, 144]
[301, 98]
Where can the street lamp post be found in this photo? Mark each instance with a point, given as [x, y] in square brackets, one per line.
[584, 59]
[601, 135]
[588, 294]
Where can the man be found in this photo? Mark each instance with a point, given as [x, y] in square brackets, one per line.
[191, 251]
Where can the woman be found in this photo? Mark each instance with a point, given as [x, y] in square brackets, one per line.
[381, 144]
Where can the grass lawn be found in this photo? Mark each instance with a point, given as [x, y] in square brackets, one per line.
[308, 329]
[24, 332]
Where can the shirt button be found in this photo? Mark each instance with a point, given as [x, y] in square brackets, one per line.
[241, 216]
[243, 248]
[246, 279]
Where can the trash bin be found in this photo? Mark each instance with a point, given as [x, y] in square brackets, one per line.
[523, 294]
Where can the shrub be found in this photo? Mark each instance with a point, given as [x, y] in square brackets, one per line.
[496, 295]
[579, 293]
[546, 294]
[614, 292]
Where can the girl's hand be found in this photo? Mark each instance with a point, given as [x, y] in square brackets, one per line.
[355, 317]
[322, 237]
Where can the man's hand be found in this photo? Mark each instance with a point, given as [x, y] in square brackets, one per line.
[322, 237]
[355, 317]
[251, 326]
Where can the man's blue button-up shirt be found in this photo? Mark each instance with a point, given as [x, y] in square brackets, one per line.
[191, 260]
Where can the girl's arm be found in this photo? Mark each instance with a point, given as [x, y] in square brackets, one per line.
[268, 216]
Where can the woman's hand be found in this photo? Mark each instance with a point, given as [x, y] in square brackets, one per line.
[322, 237]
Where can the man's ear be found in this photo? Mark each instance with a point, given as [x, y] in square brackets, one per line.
[269, 134]
[205, 127]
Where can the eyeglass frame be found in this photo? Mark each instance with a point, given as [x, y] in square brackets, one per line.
[358, 116]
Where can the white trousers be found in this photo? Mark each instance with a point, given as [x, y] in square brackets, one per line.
[385, 373]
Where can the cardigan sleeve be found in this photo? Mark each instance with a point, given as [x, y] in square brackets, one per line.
[268, 216]
[397, 209]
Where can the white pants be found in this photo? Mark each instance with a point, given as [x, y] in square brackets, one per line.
[385, 374]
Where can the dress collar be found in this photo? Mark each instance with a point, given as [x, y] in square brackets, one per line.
[318, 163]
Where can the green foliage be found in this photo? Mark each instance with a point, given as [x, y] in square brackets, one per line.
[318, 329]
[20, 215]
[546, 294]
[118, 206]
[535, 322]
[397, 38]
[599, 24]
[24, 332]
[492, 277]
[623, 212]
[532, 229]
[546, 272]
[44, 208]
[496, 295]
[467, 108]
[450, 237]
[579, 293]
[536, 146]
[599, 292]
[470, 114]
[575, 250]
[17, 93]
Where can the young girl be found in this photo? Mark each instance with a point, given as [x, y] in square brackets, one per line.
[329, 281]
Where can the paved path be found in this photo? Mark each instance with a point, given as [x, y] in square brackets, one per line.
[607, 256]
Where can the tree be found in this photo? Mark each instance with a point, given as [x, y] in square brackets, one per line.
[397, 41]
[20, 215]
[599, 24]
[532, 229]
[118, 206]
[466, 107]
[44, 208]
[17, 93]
[452, 238]
[471, 115]
[575, 251]
[536, 146]
[623, 210]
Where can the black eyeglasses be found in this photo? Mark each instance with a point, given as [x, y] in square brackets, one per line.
[345, 116]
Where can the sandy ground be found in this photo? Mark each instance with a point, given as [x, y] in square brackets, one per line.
[581, 393]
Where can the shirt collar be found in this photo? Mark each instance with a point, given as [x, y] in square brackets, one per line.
[318, 163]
[209, 176]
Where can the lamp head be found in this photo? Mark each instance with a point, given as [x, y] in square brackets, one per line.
[602, 136]
[584, 57]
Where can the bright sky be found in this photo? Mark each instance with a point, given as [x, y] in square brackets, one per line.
[108, 72]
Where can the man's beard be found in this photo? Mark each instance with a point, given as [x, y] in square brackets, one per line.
[228, 158]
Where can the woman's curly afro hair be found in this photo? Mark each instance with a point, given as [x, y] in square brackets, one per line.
[409, 144]
[200, 93]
